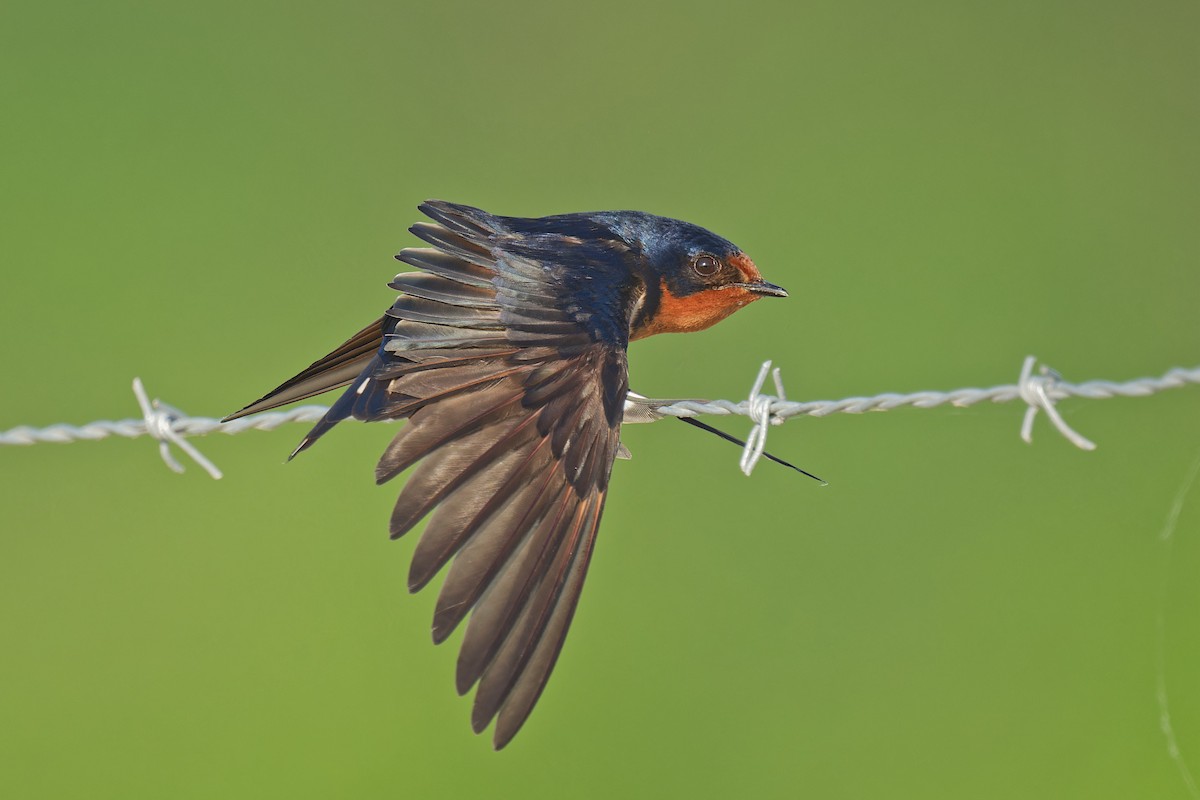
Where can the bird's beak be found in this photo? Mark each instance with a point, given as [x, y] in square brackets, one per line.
[765, 289]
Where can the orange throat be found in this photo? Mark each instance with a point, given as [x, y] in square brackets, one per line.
[693, 312]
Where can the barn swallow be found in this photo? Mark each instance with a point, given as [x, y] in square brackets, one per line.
[506, 353]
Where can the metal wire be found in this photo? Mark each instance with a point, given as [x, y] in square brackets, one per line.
[1040, 392]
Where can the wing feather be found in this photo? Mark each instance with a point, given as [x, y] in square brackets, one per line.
[434, 426]
[452, 253]
[450, 525]
[499, 608]
[504, 671]
[435, 287]
[418, 309]
[445, 469]
[531, 680]
[490, 548]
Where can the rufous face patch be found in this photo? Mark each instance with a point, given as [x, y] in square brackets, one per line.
[697, 311]
[742, 263]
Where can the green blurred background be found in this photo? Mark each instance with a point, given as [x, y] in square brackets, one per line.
[209, 196]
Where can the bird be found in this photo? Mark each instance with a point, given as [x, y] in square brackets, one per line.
[505, 352]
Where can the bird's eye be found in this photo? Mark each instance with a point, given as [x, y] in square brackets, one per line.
[706, 265]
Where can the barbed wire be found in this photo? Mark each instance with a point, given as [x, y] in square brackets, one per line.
[168, 425]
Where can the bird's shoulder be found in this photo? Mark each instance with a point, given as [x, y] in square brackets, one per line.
[569, 269]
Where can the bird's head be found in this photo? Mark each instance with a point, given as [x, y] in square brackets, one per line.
[694, 278]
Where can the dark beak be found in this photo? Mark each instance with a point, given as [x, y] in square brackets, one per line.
[765, 289]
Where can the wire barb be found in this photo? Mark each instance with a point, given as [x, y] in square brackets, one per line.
[1036, 391]
[160, 423]
[758, 408]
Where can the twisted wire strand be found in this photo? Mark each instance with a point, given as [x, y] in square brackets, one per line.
[960, 398]
[168, 425]
[134, 428]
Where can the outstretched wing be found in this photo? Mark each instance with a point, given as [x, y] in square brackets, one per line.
[513, 385]
[514, 460]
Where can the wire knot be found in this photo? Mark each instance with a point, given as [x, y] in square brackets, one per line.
[759, 408]
[1037, 392]
[160, 421]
